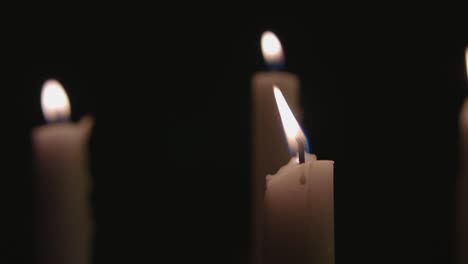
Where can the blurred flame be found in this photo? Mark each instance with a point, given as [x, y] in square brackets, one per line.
[271, 48]
[54, 101]
[290, 125]
[466, 61]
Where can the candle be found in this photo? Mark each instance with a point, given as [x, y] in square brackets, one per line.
[299, 217]
[63, 181]
[267, 152]
[463, 181]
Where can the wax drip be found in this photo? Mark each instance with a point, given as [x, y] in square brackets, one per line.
[302, 179]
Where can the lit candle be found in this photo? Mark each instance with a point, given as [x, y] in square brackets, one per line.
[63, 181]
[268, 154]
[299, 217]
[462, 186]
[267, 130]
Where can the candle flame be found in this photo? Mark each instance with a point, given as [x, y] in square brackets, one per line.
[466, 61]
[271, 48]
[54, 101]
[290, 125]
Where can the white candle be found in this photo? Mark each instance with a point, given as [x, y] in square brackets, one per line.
[299, 217]
[462, 186]
[63, 181]
[268, 154]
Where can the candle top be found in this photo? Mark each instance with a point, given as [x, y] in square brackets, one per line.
[292, 165]
[59, 131]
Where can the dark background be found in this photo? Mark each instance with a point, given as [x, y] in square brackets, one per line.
[170, 150]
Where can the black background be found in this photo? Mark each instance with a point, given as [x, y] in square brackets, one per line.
[170, 150]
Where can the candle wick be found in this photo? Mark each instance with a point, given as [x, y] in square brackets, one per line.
[300, 150]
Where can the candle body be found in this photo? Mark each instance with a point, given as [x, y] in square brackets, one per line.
[299, 214]
[462, 188]
[269, 145]
[63, 188]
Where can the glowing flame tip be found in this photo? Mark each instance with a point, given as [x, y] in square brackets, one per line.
[271, 48]
[466, 61]
[290, 125]
[54, 101]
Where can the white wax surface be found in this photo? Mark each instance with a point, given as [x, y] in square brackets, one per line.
[299, 218]
[63, 192]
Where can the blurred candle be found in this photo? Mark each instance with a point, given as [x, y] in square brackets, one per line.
[299, 217]
[268, 152]
[60, 148]
[462, 186]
